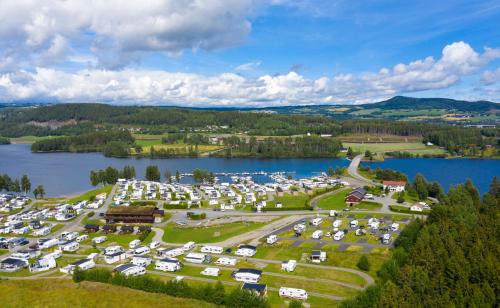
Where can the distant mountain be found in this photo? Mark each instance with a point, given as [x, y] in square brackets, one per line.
[403, 102]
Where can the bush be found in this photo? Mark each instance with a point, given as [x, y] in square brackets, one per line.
[91, 214]
[198, 216]
[401, 197]
[144, 235]
[143, 203]
[363, 263]
[295, 304]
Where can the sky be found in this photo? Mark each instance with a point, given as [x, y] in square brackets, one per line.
[247, 53]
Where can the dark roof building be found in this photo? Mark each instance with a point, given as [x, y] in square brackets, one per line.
[133, 214]
[258, 288]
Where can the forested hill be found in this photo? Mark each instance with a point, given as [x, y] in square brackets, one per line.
[449, 260]
[442, 110]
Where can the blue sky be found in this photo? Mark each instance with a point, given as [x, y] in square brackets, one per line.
[248, 52]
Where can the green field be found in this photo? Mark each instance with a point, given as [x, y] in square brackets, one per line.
[86, 196]
[65, 293]
[298, 201]
[412, 147]
[174, 234]
[335, 201]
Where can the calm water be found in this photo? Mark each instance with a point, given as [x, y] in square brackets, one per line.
[446, 171]
[68, 173]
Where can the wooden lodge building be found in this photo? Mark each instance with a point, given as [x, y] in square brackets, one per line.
[133, 214]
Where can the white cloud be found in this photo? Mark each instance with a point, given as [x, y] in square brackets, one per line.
[229, 89]
[248, 66]
[491, 77]
[36, 26]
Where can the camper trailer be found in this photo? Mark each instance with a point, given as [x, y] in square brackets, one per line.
[212, 249]
[134, 244]
[271, 239]
[169, 253]
[211, 271]
[318, 256]
[69, 246]
[189, 246]
[130, 270]
[293, 293]
[386, 239]
[82, 238]
[141, 261]
[140, 251]
[354, 223]
[288, 266]
[226, 261]
[99, 240]
[194, 257]
[338, 236]
[247, 275]
[46, 244]
[394, 227]
[43, 264]
[317, 234]
[337, 223]
[168, 265]
[246, 250]
[83, 264]
[316, 221]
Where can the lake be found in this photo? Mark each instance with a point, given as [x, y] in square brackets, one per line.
[68, 173]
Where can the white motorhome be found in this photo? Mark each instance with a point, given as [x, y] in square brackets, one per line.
[339, 235]
[140, 251]
[288, 266]
[41, 232]
[226, 261]
[194, 257]
[316, 221]
[83, 264]
[271, 239]
[317, 234]
[69, 246]
[246, 251]
[169, 253]
[211, 271]
[394, 227]
[212, 249]
[167, 265]
[247, 275]
[386, 239]
[354, 223]
[299, 228]
[134, 244]
[154, 245]
[189, 246]
[293, 293]
[99, 239]
[141, 261]
[43, 264]
[130, 270]
[49, 243]
[82, 238]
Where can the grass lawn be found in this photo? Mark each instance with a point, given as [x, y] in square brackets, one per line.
[120, 239]
[288, 200]
[335, 201]
[367, 205]
[88, 194]
[3, 251]
[412, 147]
[174, 234]
[65, 293]
[408, 198]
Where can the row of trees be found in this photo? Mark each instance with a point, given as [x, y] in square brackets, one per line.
[15, 185]
[306, 147]
[200, 176]
[215, 294]
[111, 175]
[449, 260]
[18, 186]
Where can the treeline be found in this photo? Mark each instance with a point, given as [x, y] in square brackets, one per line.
[194, 139]
[385, 174]
[449, 260]
[17, 186]
[461, 140]
[4, 140]
[112, 143]
[111, 175]
[302, 147]
[215, 294]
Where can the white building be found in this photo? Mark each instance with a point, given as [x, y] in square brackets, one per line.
[288, 266]
[167, 265]
[247, 275]
[246, 251]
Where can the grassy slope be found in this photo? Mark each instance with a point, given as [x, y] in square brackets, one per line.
[334, 202]
[65, 293]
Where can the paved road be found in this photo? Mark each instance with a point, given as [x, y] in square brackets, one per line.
[353, 171]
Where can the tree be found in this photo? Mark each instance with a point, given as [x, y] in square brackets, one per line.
[363, 263]
[295, 304]
[101, 174]
[94, 178]
[330, 172]
[368, 154]
[177, 176]
[25, 184]
[16, 186]
[495, 187]
[420, 185]
[401, 197]
[350, 153]
[168, 176]
[153, 173]
[111, 175]
[39, 191]
[128, 172]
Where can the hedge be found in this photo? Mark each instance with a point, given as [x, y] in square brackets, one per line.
[402, 209]
[215, 294]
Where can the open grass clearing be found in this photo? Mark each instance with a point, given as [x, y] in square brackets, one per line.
[335, 201]
[213, 234]
[413, 147]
